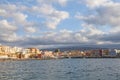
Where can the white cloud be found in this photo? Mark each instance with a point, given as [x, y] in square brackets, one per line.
[61, 2]
[14, 13]
[80, 38]
[43, 9]
[10, 37]
[97, 3]
[91, 30]
[15, 18]
[52, 16]
[106, 12]
[9, 7]
[5, 25]
[2, 12]
[30, 29]
[29, 19]
[7, 31]
[20, 18]
[104, 42]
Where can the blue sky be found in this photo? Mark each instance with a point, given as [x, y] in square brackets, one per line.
[54, 23]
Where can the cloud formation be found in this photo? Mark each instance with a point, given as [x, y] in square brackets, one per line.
[52, 16]
[40, 23]
[105, 14]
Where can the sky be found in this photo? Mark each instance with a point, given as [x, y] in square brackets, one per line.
[55, 23]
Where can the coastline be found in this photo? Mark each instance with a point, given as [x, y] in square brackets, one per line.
[2, 60]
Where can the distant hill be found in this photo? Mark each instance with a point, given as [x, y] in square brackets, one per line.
[73, 48]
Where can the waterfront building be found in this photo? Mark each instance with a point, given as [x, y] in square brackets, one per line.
[17, 49]
[26, 56]
[34, 50]
[0, 49]
[48, 54]
[13, 56]
[117, 52]
[8, 49]
[90, 53]
[4, 49]
[105, 52]
[75, 53]
[4, 56]
[100, 52]
[95, 53]
[25, 51]
[32, 53]
[112, 52]
[82, 53]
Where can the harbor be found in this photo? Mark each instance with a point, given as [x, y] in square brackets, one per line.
[18, 53]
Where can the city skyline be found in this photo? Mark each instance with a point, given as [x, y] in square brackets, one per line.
[55, 23]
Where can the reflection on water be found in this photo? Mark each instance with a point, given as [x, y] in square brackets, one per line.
[64, 69]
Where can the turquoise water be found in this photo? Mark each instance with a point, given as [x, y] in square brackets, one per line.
[63, 69]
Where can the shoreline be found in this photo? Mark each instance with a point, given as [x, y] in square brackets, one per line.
[1, 60]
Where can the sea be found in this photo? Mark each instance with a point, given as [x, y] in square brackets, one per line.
[61, 69]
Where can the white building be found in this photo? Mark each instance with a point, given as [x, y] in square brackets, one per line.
[26, 51]
[117, 51]
[4, 57]
[48, 54]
